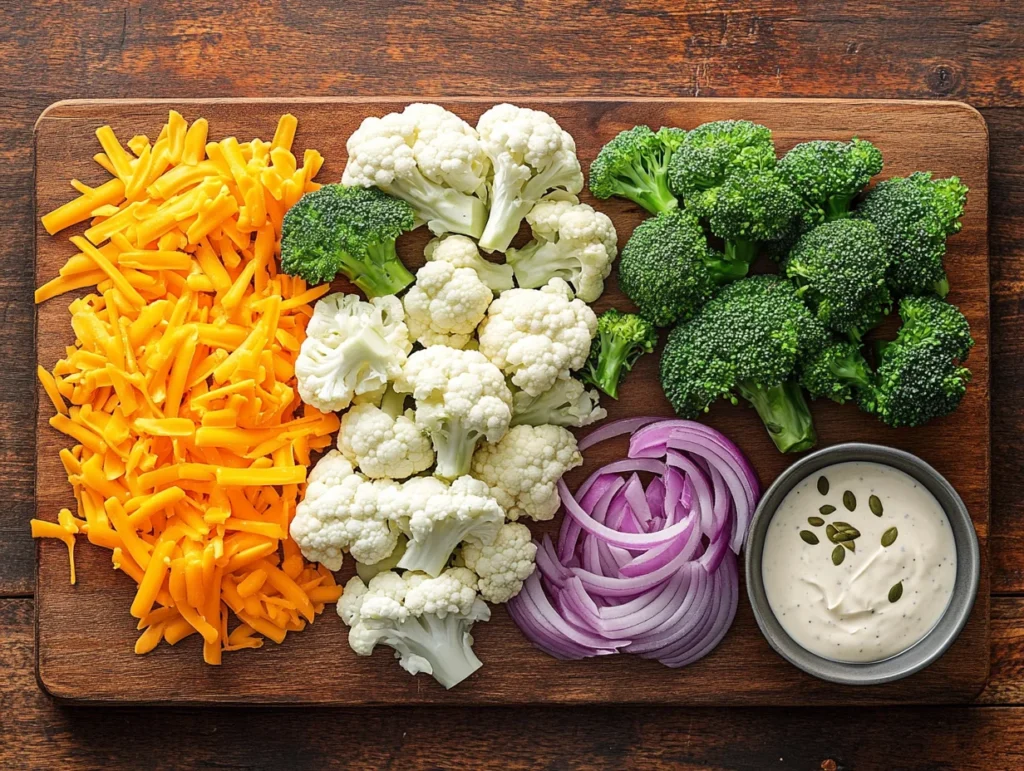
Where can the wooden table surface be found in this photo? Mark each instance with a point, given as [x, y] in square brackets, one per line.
[971, 50]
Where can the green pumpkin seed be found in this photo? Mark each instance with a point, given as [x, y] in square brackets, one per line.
[809, 537]
[838, 555]
[831, 532]
[875, 505]
[823, 485]
[850, 545]
[826, 509]
[889, 536]
[816, 521]
[896, 592]
[849, 500]
[844, 536]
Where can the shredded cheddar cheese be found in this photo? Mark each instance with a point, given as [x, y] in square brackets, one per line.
[190, 442]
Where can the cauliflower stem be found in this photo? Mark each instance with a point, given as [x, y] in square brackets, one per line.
[455, 445]
[444, 209]
[441, 647]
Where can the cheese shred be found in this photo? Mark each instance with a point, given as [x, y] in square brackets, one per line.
[190, 440]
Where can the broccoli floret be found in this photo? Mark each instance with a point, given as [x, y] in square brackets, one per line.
[748, 341]
[747, 210]
[348, 230]
[914, 215]
[668, 270]
[838, 372]
[920, 374]
[713, 151]
[839, 269]
[621, 339]
[827, 175]
[634, 165]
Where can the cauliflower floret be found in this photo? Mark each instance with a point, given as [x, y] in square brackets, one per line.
[531, 155]
[446, 304]
[571, 241]
[537, 336]
[428, 157]
[505, 564]
[461, 398]
[427, 621]
[437, 523]
[339, 513]
[566, 403]
[523, 469]
[385, 442]
[463, 253]
[351, 348]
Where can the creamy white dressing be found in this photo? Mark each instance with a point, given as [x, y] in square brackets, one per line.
[842, 612]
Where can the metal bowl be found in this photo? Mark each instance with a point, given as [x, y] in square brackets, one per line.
[950, 624]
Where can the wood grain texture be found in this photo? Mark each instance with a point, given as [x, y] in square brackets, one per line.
[91, 660]
[37, 733]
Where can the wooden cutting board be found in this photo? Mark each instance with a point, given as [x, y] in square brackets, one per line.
[85, 634]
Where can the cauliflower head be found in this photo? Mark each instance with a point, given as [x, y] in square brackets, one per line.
[462, 252]
[339, 513]
[571, 241]
[505, 564]
[523, 469]
[351, 348]
[566, 403]
[384, 441]
[428, 157]
[446, 304]
[537, 336]
[531, 155]
[461, 399]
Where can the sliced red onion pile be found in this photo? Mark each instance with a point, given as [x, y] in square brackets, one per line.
[646, 570]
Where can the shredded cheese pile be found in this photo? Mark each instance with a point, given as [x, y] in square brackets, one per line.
[191, 444]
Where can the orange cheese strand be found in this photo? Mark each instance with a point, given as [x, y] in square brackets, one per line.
[189, 442]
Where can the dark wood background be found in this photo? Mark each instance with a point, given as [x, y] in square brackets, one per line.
[972, 51]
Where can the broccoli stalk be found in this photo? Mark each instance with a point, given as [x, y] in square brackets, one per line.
[784, 412]
[348, 230]
[838, 372]
[621, 339]
[634, 165]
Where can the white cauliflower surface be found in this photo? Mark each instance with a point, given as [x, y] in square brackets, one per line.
[502, 566]
[462, 252]
[446, 304]
[351, 348]
[537, 336]
[384, 441]
[523, 469]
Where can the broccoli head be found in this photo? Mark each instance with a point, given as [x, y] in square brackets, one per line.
[348, 230]
[621, 339]
[634, 165]
[920, 374]
[840, 271]
[828, 175]
[838, 372]
[914, 215]
[668, 270]
[748, 341]
[711, 152]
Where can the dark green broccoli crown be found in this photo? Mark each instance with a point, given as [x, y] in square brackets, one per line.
[837, 372]
[621, 339]
[350, 230]
[753, 333]
[920, 374]
[634, 165]
[629, 328]
[840, 268]
[749, 207]
[828, 175]
[713, 151]
[914, 215]
[663, 267]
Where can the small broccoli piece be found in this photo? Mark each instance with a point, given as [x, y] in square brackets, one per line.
[621, 339]
[634, 165]
[920, 374]
[348, 230]
[914, 215]
[668, 270]
[710, 153]
[839, 269]
[827, 175]
[838, 372]
[748, 342]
